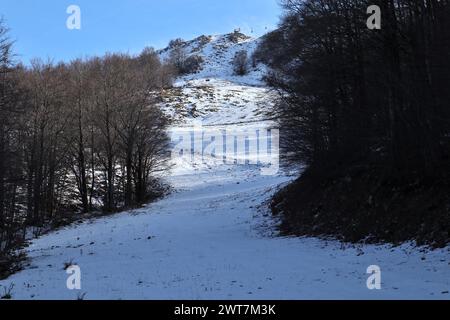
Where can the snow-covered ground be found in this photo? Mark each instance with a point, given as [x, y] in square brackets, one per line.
[213, 238]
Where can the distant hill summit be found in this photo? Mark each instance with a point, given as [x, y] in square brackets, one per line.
[196, 45]
[215, 54]
[215, 93]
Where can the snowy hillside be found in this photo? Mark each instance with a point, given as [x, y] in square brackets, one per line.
[218, 52]
[215, 95]
[213, 237]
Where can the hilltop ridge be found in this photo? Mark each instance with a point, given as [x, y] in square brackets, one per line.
[217, 53]
[215, 94]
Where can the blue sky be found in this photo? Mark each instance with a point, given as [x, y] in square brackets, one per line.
[39, 26]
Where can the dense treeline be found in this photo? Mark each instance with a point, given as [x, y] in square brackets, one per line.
[78, 137]
[368, 111]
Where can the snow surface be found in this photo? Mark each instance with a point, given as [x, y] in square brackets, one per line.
[213, 238]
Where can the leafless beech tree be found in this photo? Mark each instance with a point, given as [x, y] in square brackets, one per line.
[10, 142]
[78, 137]
[240, 63]
[368, 112]
[348, 90]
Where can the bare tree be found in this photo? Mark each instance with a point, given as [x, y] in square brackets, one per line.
[78, 137]
[240, 63]
[365, 103]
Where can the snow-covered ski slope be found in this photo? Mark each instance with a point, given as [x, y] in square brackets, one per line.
[213, 238]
